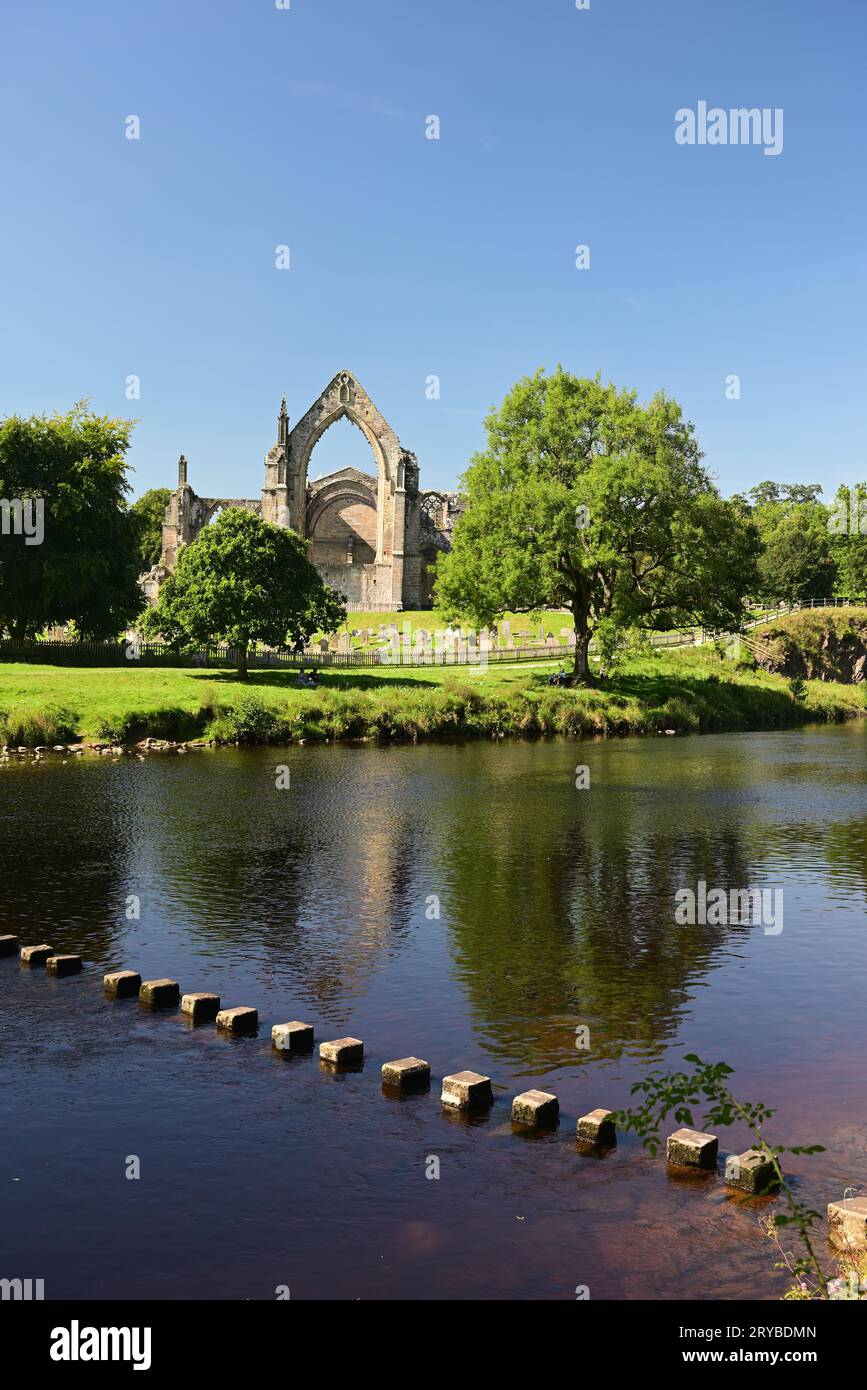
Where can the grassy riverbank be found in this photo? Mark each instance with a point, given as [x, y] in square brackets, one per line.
[689, 690]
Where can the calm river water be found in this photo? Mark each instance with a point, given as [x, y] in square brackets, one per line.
[318, 902]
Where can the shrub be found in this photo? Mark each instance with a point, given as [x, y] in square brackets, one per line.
[30, 728]
[250, 719]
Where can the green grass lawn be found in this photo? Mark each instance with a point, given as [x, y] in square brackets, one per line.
[433, 621]
[687, 690]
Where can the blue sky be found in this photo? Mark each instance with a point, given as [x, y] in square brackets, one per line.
[412, 257]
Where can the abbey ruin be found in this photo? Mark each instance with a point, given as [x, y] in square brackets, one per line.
[373, 537]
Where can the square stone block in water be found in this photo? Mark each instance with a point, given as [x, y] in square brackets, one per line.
[597, 1127]
[239, 1020]
[63, 965]
[8, 945]
[688, 1148]
[35, 955]
[201, 1008]
[847, 1223]
[751, 1172]
[160, 994]
[407, 1074]
[292, 1037]
[121, 984]
[467, 1090]
[539, 1109]
[343, 1052]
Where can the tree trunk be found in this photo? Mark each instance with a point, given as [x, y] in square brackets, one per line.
[242, 662]
[581, 668]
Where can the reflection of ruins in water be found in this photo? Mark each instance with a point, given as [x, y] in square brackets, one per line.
[316, 877]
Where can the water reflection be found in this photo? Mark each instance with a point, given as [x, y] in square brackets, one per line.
[556, 910]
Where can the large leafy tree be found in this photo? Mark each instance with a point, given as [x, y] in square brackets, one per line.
[148, 513]
[241, 581]
[847, 523]
[85, 568]
[796, 562]
[588, 500]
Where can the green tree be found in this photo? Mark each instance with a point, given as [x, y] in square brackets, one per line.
[796, 561]
[83, 566]
[586, 499]
[847, 523]
[148, 513]
[242, 581]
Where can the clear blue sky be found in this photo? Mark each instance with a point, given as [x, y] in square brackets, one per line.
[411, 257]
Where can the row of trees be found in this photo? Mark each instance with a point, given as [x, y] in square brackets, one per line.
[584, 499]
[810, 550]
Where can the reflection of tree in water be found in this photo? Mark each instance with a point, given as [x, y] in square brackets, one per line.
[318, 876]
[580, 930]
[845, 847]
[67, 841]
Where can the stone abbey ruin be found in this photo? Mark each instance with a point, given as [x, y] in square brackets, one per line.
[373, 537]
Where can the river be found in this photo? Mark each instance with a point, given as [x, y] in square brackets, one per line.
[464, 903]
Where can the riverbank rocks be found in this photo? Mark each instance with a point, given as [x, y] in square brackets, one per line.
[847, 1223]
[160, 994]
[467, 1090]
[406, 1074]
[200, 1008]
[239, 1020]
[9, 946]
[121, 984]
[292, 1037]
[688, 1148]
[343, 1052]
[751, 1172]
[63, 965]
[597, 1127]
[36, 955]
[537, 1109]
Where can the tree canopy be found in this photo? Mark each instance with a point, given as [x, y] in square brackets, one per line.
[83, 569]
[796, 562]
[242, 581]
[148, 513]
[588, 500]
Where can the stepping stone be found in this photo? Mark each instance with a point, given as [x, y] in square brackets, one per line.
[751, 1172]
[239, 1020]
[847, 1223]
[35, 955]
[343, 1052]
[407, 1074]
[9, 946]
[121, 984]
[160, 994]
[63, 965]
[688, 1148]
[597, 1127]
[201, 1008]
[292, 1037]
[538, 1109]
[467, 1090]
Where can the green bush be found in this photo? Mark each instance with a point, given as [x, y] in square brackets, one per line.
[33, 727]
[250, 719]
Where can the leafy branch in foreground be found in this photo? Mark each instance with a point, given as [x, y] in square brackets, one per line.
[678, 1094]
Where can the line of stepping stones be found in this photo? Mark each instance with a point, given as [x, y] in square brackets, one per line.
[750, 1172]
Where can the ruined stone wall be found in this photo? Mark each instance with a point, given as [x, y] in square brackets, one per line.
[370, 537]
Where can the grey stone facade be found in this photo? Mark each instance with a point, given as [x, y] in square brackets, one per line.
[372, 536]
